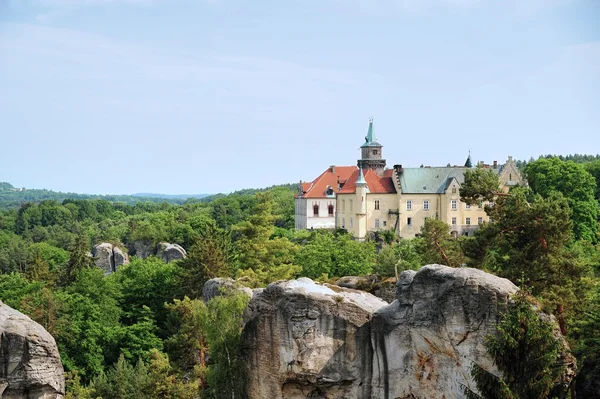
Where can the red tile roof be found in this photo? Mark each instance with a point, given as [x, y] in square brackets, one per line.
[330, 177]
[377, 184]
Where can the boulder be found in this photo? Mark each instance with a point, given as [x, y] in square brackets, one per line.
[304, 339]
[219, 286]
[30, 365]
[425, 342]
[384, 288]
[109, 257]
[170, 252]
[142, 249]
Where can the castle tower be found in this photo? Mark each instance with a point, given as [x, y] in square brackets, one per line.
[361, 200]
[371, 156]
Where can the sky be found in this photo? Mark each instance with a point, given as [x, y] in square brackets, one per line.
[207, 96]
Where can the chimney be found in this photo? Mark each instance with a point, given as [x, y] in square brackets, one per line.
[398, 169]
[332, 168]
[495, 164]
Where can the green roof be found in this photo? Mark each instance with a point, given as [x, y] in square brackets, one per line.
[429, 180]
[370, 139]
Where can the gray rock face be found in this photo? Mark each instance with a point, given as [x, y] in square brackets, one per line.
[219, 286]
[109, 257]
[425, 342]
[142, 249]
[304, 339]
[308, 340]
[30, 365]
[170, 252]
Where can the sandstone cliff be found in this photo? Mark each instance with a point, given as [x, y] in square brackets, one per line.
[30, 365]
[304, 339]
[309, 340]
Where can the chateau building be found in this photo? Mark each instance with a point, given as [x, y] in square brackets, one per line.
[371, 198]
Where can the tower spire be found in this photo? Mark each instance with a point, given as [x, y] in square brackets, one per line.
[370, 138]
[468, 163]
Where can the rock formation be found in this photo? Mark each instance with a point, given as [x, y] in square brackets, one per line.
[304, 340]
[219, 286]
[169, 252]
[142, 249]
[109, 257]
[30, 365]
[426, 340]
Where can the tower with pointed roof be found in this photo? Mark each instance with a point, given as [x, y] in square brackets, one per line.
[371, 156]
[468, 163]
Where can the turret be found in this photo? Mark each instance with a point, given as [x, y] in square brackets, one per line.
[371, 155]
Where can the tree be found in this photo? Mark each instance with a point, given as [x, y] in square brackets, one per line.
[525, 350]
[264, 259]
[80, 259]
[439, 246]
[335, 255]
[593, 168]
[576, 184]
[212, 255]
[399, 256]
[480, 185]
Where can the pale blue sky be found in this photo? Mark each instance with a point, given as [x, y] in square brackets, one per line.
[194, 96]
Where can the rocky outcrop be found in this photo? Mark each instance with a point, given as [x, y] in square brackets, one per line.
[170, 252]
[30, 365]
[304, 339]
[309, 340]
[142, 249]
[220, 286]
[381, 287]
[109, 257]
[426, 341]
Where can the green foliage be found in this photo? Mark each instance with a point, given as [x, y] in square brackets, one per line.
[212, 255]
[549, 175]
[262, 259]
[526, 352]
[214, 328]
[438, 246]
[480, 185]
[400, 256]
[593, 168]
[335, 255]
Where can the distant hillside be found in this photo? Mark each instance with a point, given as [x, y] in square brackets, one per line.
[13, 197]
[170, 196]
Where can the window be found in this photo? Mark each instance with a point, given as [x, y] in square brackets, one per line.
[468, 221]
[409, 205]
[374, 152]
[316, 210]
[467, 207]
[409, 221]
[479, 220]
[377, 204]
[343, 223]
[376, 223]
[453, 205]
[453, 221]
[351, 224]
[453, 190]
[330, 209]
[426, 205]
[384, 223]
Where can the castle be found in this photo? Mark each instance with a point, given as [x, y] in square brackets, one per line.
[369, 197]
